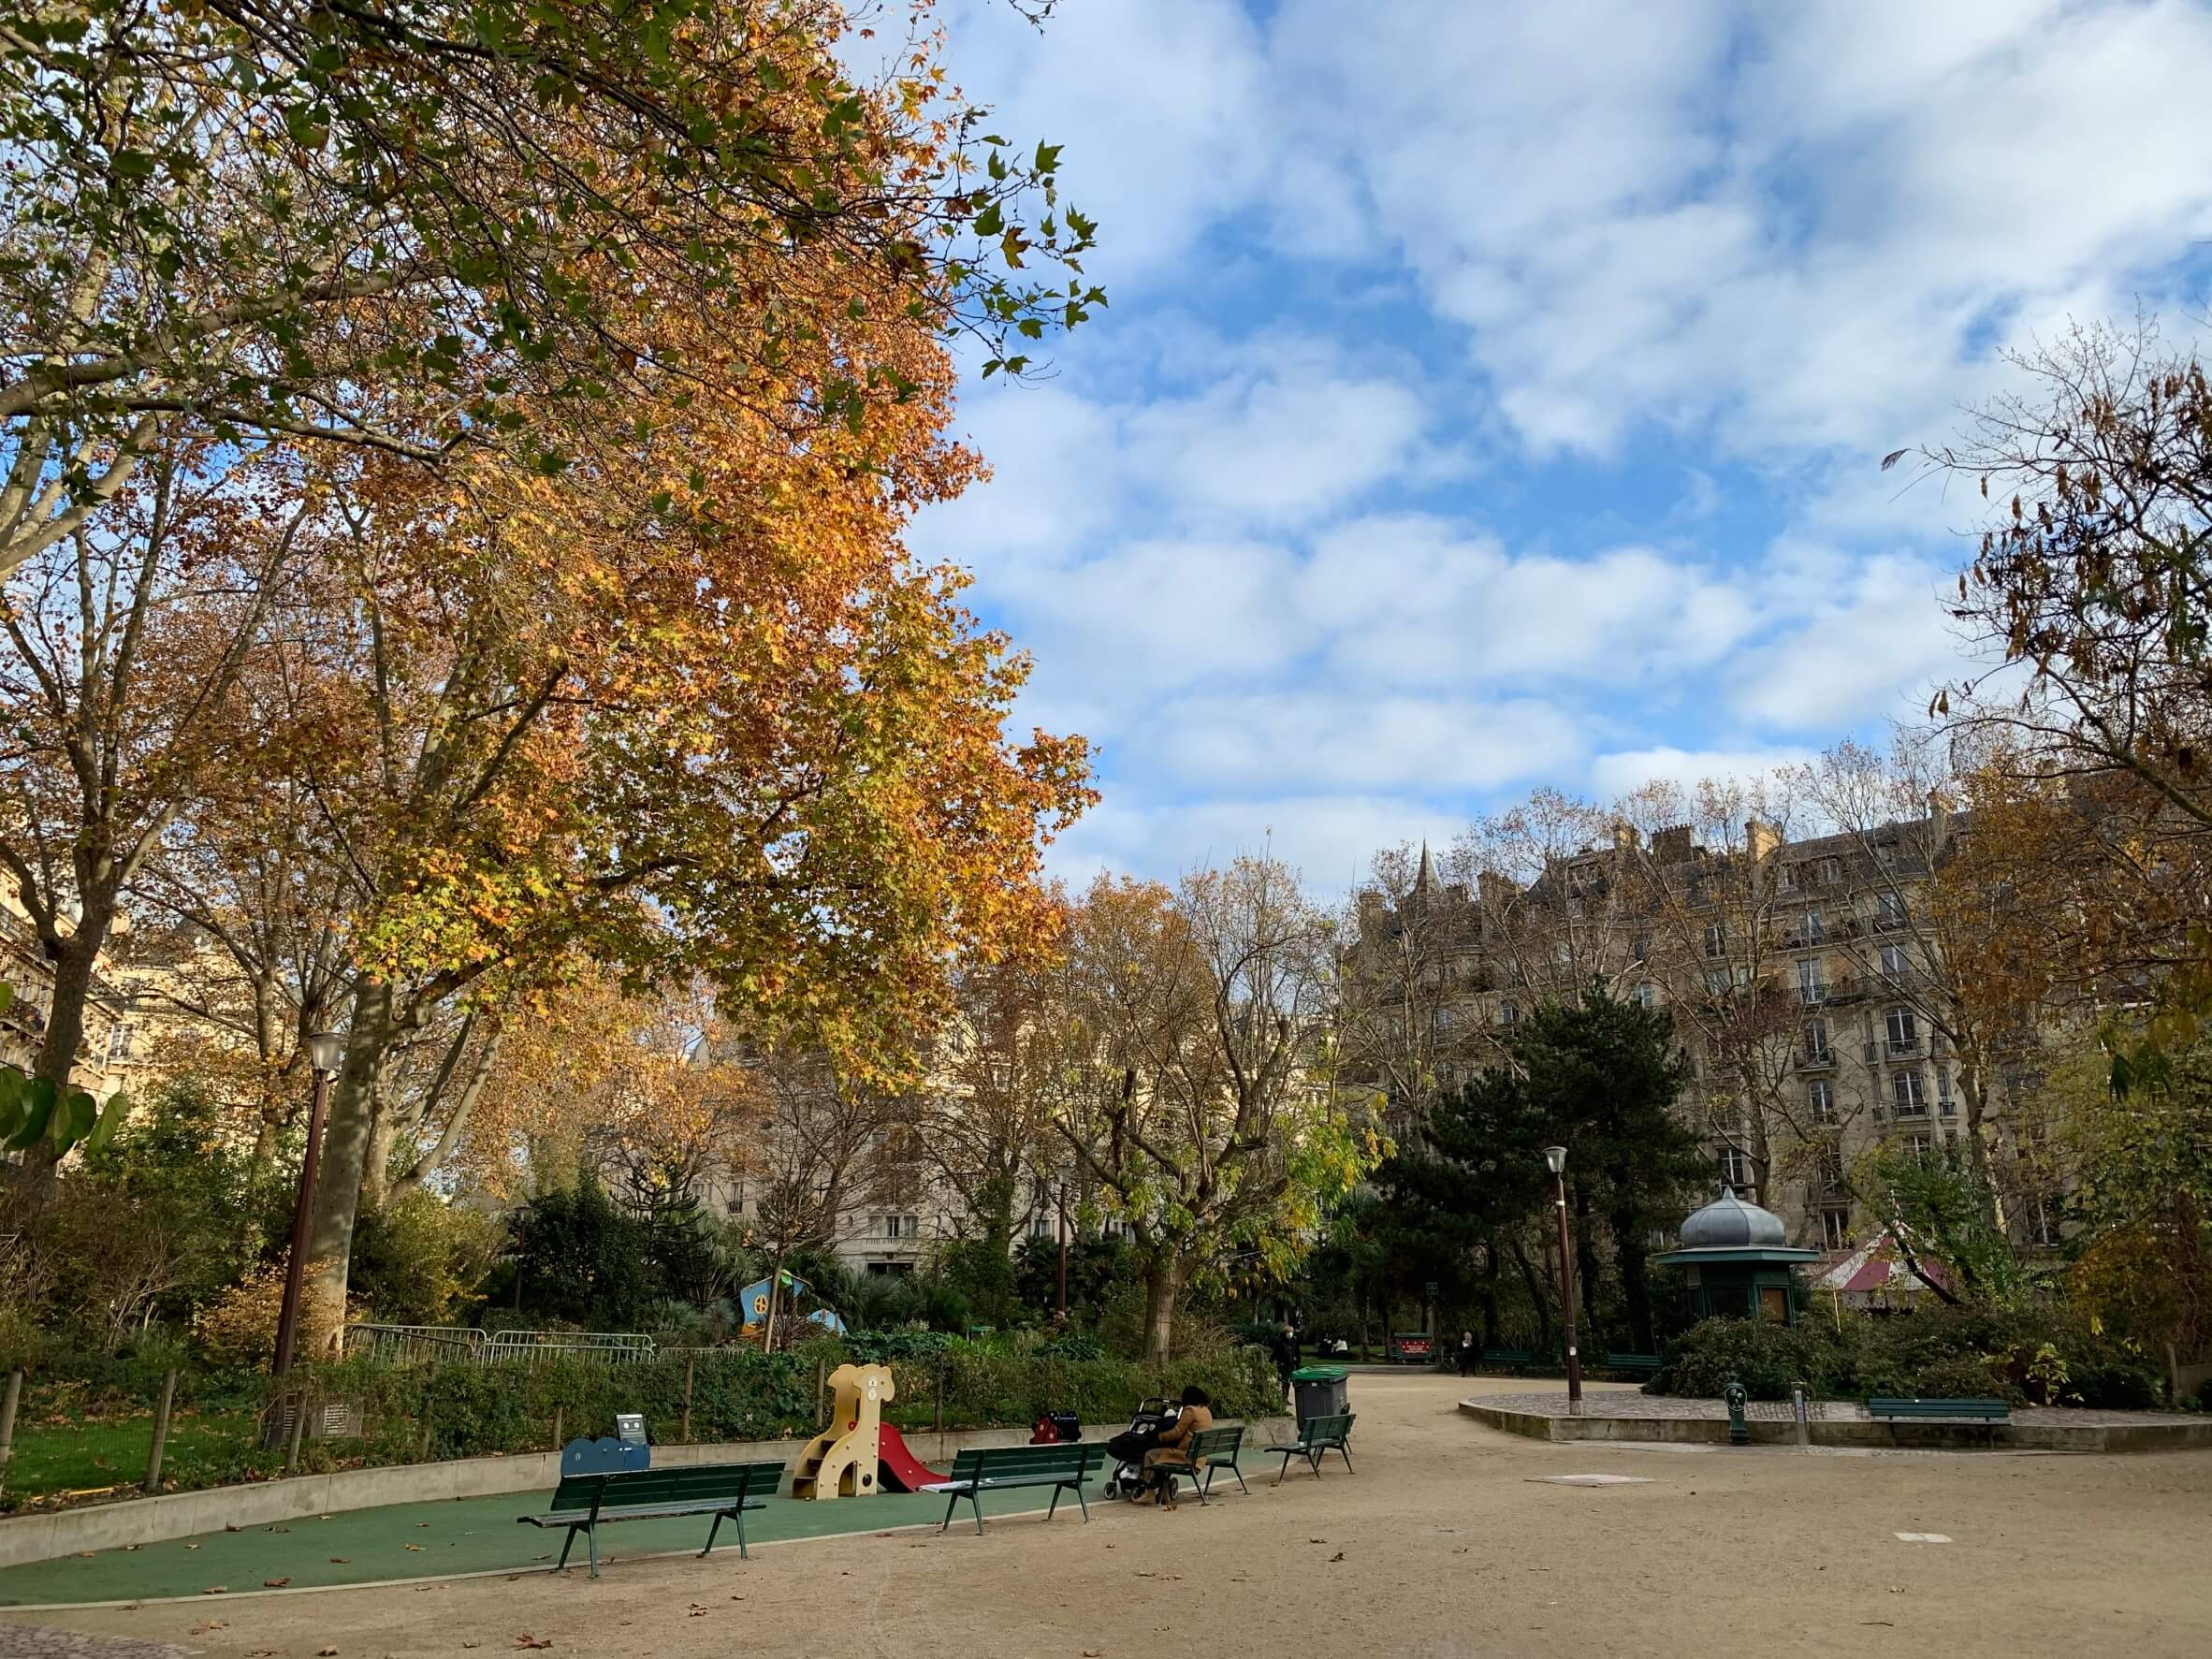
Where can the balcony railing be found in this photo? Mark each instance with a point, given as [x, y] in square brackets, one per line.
[1893, 1048]
[1822, 1061]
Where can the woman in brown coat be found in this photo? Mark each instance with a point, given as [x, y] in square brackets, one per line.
[1173, 1451]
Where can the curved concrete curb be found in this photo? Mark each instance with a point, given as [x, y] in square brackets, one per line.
[47, 1534]
[2181, 1435]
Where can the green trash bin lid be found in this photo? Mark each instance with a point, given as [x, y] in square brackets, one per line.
[1320, 1373]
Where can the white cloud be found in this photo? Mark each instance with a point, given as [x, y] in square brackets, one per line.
[1612, 775]
[1328, 838]
[1341, 736]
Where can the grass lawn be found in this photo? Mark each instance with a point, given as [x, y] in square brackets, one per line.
[56, 1460]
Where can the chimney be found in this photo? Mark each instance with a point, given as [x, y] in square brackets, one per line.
[1625, 839]
[1498, 892]
[1939, 817]
[1673, 845]
[1760, 837]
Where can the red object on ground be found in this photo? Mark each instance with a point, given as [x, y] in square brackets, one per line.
[900, 1469]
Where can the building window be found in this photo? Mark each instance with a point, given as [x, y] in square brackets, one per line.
[1816, 1043]
[1716, 939]
[1736, 1167]
[735, 1203]
[1944, 1102]
[1904, 1030]
[119, 1043]
[1835, 1228]
[1893, 961]
[1646, 995]
[1820, 1098]
[1811, 932]
[1907, 1094]
[1041, 1227]
[1786, 877]
[1920, 1146]
[1812, 988]
[1639, 948]
[1889, 910]
[1716, 981]
[1831, 872]
[1508, 1015]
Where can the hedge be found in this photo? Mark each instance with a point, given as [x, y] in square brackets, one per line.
[2034, 1357]
[740, 1394]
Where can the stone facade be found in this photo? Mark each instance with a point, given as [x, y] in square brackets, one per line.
[1813, 992]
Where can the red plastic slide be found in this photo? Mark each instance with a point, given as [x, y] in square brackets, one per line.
[902, 1471]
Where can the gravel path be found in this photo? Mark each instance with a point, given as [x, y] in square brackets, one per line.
[1444, 1543]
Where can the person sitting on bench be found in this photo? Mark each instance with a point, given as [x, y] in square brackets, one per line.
[1173, 1450]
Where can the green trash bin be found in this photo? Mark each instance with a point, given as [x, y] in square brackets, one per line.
[1319, 1392]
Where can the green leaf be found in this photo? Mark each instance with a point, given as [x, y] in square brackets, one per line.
[1048, 156]
[6, 997]
[990, 222]
[111, 1119]
[39, 1103]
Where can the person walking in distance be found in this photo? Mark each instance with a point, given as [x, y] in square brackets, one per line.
[1285, 1354]
[1468, 1352]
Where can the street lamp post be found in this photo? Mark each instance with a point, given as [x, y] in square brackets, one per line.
[1555, 1158]
[1063, 1296]
[325, 1052]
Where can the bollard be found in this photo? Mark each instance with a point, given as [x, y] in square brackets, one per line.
[8, 1405]
[299, 1434]
[161, 1431]
[1739, 1427]
[1804, 1422]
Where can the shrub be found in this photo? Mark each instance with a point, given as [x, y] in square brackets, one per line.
[2034, 1356]
[1768, 1360]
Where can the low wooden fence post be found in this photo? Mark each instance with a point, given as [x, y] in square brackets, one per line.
[161, 1431]
[691, 1365]
[558, 1412]
[8, 1405]
[298, 1435]
[422, 1453]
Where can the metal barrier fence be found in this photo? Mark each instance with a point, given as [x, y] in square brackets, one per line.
[407, 1345]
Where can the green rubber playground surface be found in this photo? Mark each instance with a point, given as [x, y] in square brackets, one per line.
[460, 1536]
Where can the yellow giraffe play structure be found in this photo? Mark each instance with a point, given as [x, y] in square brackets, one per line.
[842, 1459]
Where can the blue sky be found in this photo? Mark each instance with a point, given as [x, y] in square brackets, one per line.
[1492, 396]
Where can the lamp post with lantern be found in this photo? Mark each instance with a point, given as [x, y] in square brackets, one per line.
[326, 1053]
[1556, 1159]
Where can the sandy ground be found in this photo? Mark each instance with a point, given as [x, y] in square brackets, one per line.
[1439, 1545]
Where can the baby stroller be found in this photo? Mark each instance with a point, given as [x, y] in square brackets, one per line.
[1152, 1420]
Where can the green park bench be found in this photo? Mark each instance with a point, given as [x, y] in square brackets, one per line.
[582, 1502]
[1214, 1448]
[1316, 1435]
[1636, 1364]
[1513, 1359]
[1063, 1467]
[1894, 1412]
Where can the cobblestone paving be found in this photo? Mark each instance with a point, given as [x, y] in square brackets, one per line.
[1779, 1411]
[35, 1641]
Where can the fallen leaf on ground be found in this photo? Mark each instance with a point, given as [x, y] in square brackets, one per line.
[192, 1546]
[325, 1652]
[274, 1584]
[204, 1629]
[215, 1589]
[342, 1561]
[260, 1653]
[228, 1527]
[411, 1546]
[1338, 1556]
[527, 1640]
